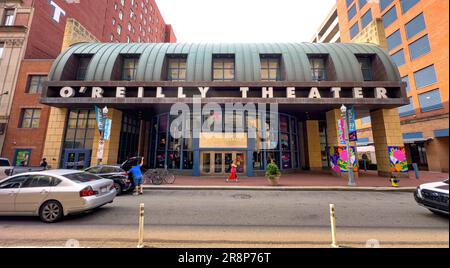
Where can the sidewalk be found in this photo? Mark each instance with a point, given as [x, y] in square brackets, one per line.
[305, 181]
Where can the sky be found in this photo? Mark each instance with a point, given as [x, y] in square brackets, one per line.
[244, 21]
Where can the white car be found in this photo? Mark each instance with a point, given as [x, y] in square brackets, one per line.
[433, 196]
[53, 194]
[5, 168]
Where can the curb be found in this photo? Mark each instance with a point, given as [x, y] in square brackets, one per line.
[285, 188]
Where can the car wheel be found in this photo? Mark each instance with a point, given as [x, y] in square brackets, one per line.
[118, 188]
[51, 211]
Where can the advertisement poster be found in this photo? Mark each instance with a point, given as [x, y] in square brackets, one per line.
[352, 131]
[22, 158]
[341, 132]
[99, 117]
[397, 159]
[339, 158]
[107, 132]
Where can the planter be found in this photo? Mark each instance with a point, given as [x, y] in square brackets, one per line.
[274, 181]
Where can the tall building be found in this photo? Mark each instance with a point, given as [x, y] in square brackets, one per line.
[33, 34]
[416, 35]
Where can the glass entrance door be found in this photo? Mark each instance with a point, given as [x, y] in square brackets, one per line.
[76, 159]
[219, 163]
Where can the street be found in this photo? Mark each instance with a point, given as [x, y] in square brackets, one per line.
[225, 218]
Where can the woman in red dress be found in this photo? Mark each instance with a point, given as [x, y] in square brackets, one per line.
[233, 176]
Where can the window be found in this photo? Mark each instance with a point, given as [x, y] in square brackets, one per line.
[366, 67]
[14, 183]
[408, 4]
[318, 68]
[41, 181]
[176, 68]
[399, 58]
[384, 4]
[352, 12]
[80, 130]
[83, 64]
[415, 26]
[8, 17]
[223, 68]
[362, 3]
[354, 30]
[366, 18]
[394, 40]
[270, 68]
[408, 86]
[390, 17]
[430, 101]
[129, 68]
[425, 77]
[2, 47]
[30, 118]
[419, 48]
[407, 110]
[35, 83]
[349, 2]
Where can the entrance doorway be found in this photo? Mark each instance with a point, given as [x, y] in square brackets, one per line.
[76, 159]
[219, 163]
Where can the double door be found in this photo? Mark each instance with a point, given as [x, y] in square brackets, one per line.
[76, 159]
[219, 163]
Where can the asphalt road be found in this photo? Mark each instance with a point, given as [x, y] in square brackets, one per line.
[216, 218]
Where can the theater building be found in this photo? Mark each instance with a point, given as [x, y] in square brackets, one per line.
[296, 90]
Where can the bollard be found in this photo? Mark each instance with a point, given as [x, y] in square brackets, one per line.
[141, 226]
[416, 170]
[333, 227]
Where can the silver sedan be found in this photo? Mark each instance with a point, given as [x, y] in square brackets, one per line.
[53, 194]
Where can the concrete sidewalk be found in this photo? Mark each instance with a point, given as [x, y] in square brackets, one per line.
[304, 181]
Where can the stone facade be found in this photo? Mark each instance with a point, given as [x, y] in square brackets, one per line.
[55, 136]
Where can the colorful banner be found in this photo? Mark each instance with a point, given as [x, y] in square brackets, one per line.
[397, 159]
[352, 131]
[107, 132]
[99, 117]
[341, 132]
[339, 158]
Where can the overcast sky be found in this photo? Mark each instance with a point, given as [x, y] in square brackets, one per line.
[244, 20]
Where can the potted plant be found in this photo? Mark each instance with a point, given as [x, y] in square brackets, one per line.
[273, 174]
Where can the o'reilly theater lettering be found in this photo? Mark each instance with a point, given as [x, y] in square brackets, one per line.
[205, 92]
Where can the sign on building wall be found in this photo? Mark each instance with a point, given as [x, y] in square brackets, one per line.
[99, 117]
[339, 159]
[397, 159]
[107, 132]
[341, 132]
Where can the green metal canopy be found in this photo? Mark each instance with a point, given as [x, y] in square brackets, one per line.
[247, 60]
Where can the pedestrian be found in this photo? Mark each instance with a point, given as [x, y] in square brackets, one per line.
[44, 163]
[136, 173]
[233, 176]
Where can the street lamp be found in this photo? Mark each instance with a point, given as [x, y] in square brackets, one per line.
[351, 175]
[101, 141]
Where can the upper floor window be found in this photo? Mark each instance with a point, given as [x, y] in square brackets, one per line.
[366, 67]
[270, 68]
[223, 67]
[318, 68]
[419, 48]
[408, 4]
[35, 83]
[407, 110]
[394, 40]
[366, 18]
[176, 68]
[30, 118]
[354, 30]
[349, 2]
[352, 12]
[362, 3]
[430, 101]
[129, 67]
[415, 26]
[399, 58]
[390, 17]
[2, 46]
[8, 17]
[384, 4]
[83, 64]
[425, 77]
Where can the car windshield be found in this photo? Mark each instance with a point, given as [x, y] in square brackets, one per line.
[82, 177]
[4, 163]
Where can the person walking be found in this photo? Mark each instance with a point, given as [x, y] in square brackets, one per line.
[44, 163]
[136, 173]
[233, 169]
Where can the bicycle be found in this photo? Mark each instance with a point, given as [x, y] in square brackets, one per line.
[153, 176]
[160, 176]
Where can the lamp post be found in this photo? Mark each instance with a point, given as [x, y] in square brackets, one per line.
[101, 141]
[351, 177]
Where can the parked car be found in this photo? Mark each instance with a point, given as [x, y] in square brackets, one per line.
[120, 177]
[433, 196]
[5, 168]
[19, 170]
[128, 164]
[53, 194]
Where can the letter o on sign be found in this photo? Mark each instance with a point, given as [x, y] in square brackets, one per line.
[67, 92]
